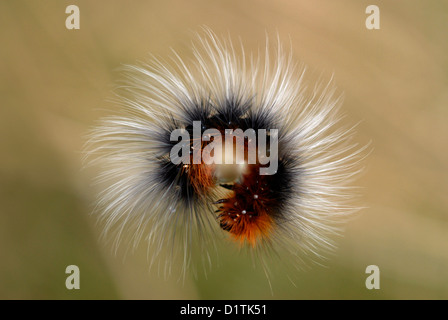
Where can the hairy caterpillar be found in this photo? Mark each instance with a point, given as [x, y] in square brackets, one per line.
[176, 205]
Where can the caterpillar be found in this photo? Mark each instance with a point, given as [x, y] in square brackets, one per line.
[171, 179]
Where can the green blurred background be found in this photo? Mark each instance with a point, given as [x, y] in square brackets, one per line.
[55, 83]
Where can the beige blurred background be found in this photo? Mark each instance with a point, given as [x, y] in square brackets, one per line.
[55, 83]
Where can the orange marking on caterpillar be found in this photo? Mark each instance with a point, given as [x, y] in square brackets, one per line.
[246, 213]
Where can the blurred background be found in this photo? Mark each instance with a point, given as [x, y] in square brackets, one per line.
[54, 85]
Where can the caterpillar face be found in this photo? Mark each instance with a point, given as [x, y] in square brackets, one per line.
[224, 144]
[252, 204]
